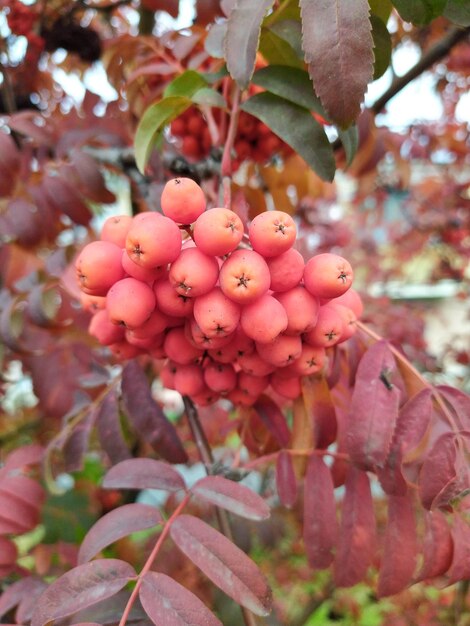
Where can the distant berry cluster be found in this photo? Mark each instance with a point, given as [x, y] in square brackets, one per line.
[230, 312]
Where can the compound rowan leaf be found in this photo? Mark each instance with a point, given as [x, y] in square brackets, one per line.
[109, 429]
[147, 416]
[356, 544]
[231, 496]
[438, 546]
[286, 481]
[115, 525]
[320, 525]
[223, 563]
[419, 11]
[143, 474]
[296, 126]
[168, 603]
[242, 38]
[398, 565]
[460, 566]
[80, 588]
[338, 48]
[374, 408]
[152, 123]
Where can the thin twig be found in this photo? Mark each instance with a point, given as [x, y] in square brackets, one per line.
[206, 456]
[226, 167]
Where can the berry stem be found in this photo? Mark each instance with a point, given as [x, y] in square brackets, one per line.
[152, 557]
[400, 357]
[226, 166]
[206, 456]
[298, 452]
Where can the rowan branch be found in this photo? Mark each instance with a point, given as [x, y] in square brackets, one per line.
[437, 52]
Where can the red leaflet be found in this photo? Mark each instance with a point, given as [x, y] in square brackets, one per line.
[444, 473]
[18, 513]
[356, 546]
[400, 547]
[147, 417]
[438, 546]
[80, 588]
[86, 624]
[115, 525]
[273, 418]
[374, 408]
[8, 552]
[19, 592]
[109, 429]
[143, 474]
[231, 496]
[338, 33]
[24, 489]
[285, 479]
[319, 404]
[320, 524]
[460, 402]
[67, 199]
[168, 603]
[90, 177]
[76, 445]
[21, 457]
[412, 424]
[460, 566]
[223, 563]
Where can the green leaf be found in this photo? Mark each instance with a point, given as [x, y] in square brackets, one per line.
[458, 11]
[277, 51]
[297, 127]
[382, 46]
[350, 140]
[290, 83]
[291, 32]
[381, 8]
[419, 11]
[209, 97]
[185, 85]
[242, 38]
[287, 11]
[155, 118]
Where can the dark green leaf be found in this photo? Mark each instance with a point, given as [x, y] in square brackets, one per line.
[338, 48]
[381, 8]
[350, 140]
[382, 46]
[290, 31]
[290, 83]
[296, 126]
[458, 11]
[186, 85]
[242, 38]
[419, 11]
[277, 50]
[155, 118]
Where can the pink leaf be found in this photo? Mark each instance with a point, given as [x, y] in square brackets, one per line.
[374, 408]
[115, 525]
[412, 424]
[242, 38]
[143, 474]
[168, 603]
[76, 445]
[17, 512]
[438, 546]
[223, 563]
[90, 177]
[8, 552]
[460, 566]
[400, 547]
[231, 496]
[86, 624]
[18, 592]
[80, 588]
[320, 523]
[109, 429]
[285, 479]
[273, 418]
[24, 489]
[24, 456]
[356, 545]
[147, 417]
[67, 199]
[459, 401]
[338, 48]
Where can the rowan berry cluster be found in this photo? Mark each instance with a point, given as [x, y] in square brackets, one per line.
[254, 141]
[229, 319]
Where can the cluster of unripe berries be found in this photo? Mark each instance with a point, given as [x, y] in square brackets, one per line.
[230, 312]
[254, 141]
